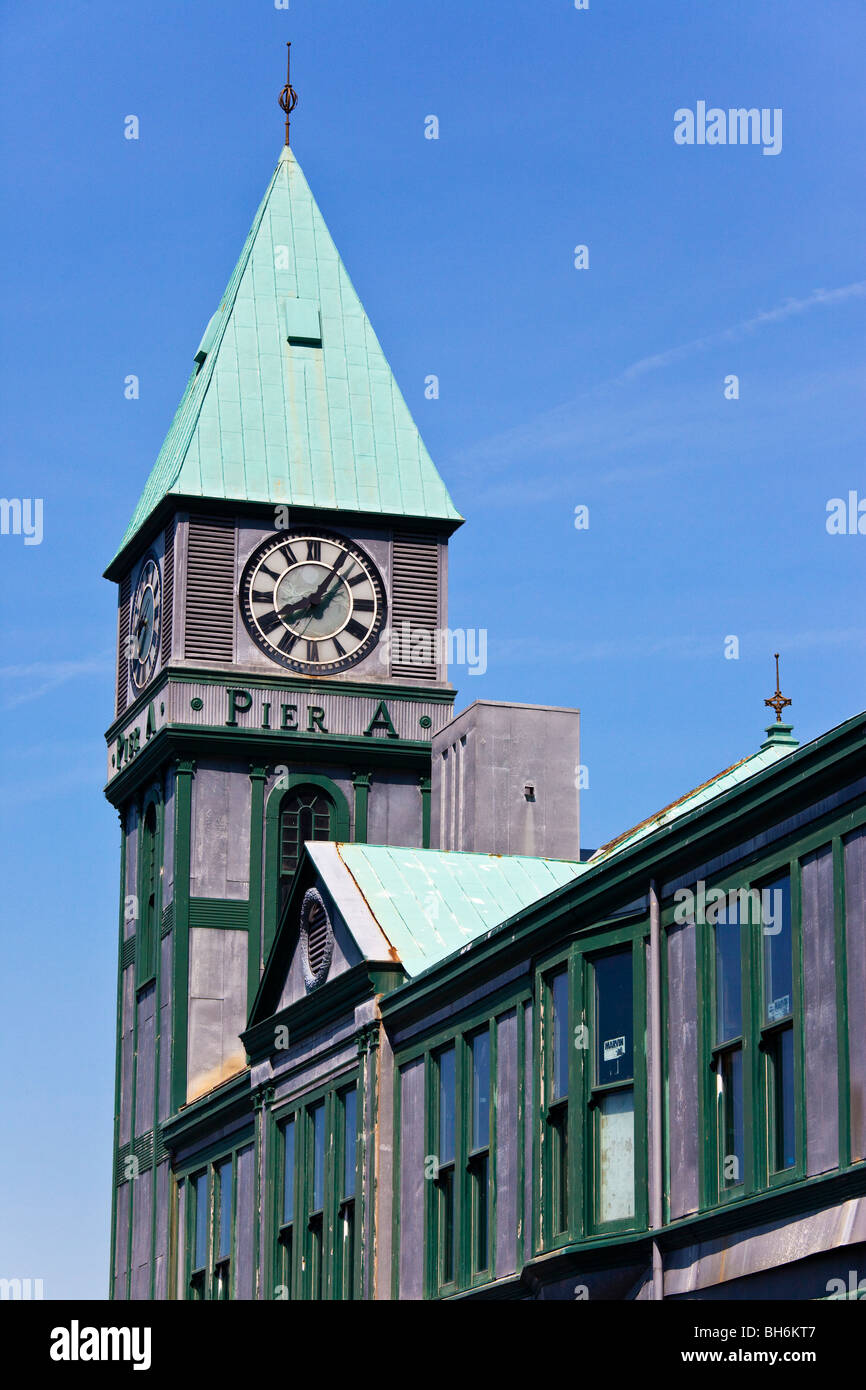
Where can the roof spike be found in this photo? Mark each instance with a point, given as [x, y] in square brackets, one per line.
[778, 701]
[288, 96]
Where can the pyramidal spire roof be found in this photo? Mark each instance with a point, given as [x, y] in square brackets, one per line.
[291, 399]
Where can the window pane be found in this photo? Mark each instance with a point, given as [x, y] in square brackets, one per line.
[289, 1172]
[732, 1154]
[783, 1096]
[305, 816]
[224, 1178]
[778, 971]
[729, 988]
[350, 1140]
[200, 1255]
[446, 1226]
[446, 1105]
[480, 1212]
[613, 1017]
[481, 1090]
[616, 1156]
[318, 1158]
[559, 995]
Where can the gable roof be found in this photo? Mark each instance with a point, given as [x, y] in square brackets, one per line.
[430, 902]
[291, 399]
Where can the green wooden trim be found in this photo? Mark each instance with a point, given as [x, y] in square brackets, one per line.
[200, 740]
[424, 786]
[286, 784]
[185, 769]
[361, 784]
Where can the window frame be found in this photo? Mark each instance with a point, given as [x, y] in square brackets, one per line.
[308, 1222]
[200, 1281]
[758, 1037]
[582, 1124]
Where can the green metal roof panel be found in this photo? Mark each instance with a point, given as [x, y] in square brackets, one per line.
[431, 902]
[292, 399]
[708, 791]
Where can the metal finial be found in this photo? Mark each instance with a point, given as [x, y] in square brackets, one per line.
[777, 701]
[288, 96]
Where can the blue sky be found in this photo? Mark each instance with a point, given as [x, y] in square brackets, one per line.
[559, 387]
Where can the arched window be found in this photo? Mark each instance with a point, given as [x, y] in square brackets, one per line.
[306, 814]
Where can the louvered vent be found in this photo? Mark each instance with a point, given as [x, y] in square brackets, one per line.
[122, 640]
[317, 944]
[414, 607]
[210, 590]
[167, 591]
[318, 938]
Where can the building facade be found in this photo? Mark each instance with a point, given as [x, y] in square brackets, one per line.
[383, 1030]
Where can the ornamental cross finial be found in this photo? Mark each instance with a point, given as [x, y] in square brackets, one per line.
[288, 96]
[777, 701]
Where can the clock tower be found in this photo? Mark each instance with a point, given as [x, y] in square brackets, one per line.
[282, 586]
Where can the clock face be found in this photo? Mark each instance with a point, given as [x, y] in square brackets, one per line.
[312, 601]
[144, 625]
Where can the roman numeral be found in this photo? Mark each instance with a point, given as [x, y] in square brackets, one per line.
[341, 651]
[288, 555]
[312, 651]
[263, 596]
[286, 643]
[355, 628]
[357, 579]
[269, 622]
[263, 569]
[314, 550]
[364, 605]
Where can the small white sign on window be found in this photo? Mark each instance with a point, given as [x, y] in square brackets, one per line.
[779, 1008]
[613, 1048]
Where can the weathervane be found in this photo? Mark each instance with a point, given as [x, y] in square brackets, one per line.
[777, 701]
[288, 96]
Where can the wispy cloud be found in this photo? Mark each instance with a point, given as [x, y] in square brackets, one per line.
[791, 307]
[604, 422]
[37, 678]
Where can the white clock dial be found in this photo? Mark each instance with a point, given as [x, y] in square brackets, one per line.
[313, 601]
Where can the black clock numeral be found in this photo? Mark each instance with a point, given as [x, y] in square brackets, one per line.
[262, 596]
[357, 579]
[314, 550]
[340, 650]
[268, 622]
[364, 605]
[355, 628]
[263, 569]
[286, 642]
[312, 651]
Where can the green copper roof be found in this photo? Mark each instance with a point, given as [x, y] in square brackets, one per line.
[430, 902]
[778, 744]
[292, 399]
